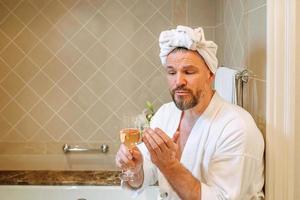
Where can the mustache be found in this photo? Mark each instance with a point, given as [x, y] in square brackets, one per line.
[181, 88]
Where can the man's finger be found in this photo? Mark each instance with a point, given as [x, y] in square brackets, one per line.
[158, 140]
[175, 137]
[136, 154]
[149, 147]
[124, 158]
[126, 152]
[165, 137]
[152, 143]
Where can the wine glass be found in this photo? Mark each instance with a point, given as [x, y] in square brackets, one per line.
[130, 136]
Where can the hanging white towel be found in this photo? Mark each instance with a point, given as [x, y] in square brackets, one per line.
[225, 84]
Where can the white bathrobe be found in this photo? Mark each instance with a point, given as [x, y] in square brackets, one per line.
[224, 152]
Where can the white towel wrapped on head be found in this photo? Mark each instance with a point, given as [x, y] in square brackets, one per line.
[189, 38]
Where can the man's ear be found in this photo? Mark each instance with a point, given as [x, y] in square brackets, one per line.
[211, 76]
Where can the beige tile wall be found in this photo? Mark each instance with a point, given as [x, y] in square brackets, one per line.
[240, 33]
[69, 69]
[297, 103]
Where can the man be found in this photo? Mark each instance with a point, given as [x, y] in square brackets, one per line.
[198, 146]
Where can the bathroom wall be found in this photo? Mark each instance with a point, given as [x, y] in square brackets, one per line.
[240, 33]
[70, 69]
[297, 103]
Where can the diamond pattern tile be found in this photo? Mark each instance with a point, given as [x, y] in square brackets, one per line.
[84, 40]
[40, 54]
[41, 136]
[100, 136]
[84, 69]
[54, 11]
[11, 26]
[128, 54]
[13, 136]
[70, 112]
[25, 11]
[12, 113]
[141, 96]
[83, 11]
[68, 25]
[69, 55]
[143, 39]
[98, 25]
[97, 3]
[128, 24]
[27, 98]
[113, 39]
[56, 98]
[26, 40]
[113, 69]
[39, 26]
[152, 55]
[56, 127]
[70, 136]
[12, 55]
[69, 83]
[112, 10]
[4, 40]
[5, 98]
[113, 98]
[156, 82]
[26, 69]
[55, 69]
[54, 40]
[12, 83]
[41, 112]
[111, 129]
[41, 83]
[84, 98]
[85, 127]
[142, 69]
[69, 69]
[27, 127]
[128, 108]
[99, 83]
[165, 9]
[3, 12]
[4, 126]
[39, 4]
[98, 54]
[157, 23]
[99, 112]
[143, 10]
[128, 83]
[4, 68]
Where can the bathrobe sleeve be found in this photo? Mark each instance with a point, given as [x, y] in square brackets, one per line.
[150, 170]
[237, 160]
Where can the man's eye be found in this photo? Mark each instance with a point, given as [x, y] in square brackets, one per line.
[190, 72]
[171, 72]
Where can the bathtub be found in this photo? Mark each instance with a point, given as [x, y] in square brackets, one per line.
[72, 193]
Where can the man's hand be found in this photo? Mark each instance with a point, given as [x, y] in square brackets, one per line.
[132, 159]
[164, 151]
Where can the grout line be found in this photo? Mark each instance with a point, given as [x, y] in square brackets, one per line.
[254, 9]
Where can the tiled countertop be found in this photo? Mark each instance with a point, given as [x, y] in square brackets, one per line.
[103, 178]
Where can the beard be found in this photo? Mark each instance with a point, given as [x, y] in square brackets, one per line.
[187, 101]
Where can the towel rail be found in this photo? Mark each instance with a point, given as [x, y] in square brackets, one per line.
[102, 149]
[242, 78]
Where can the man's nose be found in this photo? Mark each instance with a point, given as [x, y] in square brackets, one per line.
[180, 80]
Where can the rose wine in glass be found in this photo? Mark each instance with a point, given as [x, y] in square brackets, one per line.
[130, 137]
